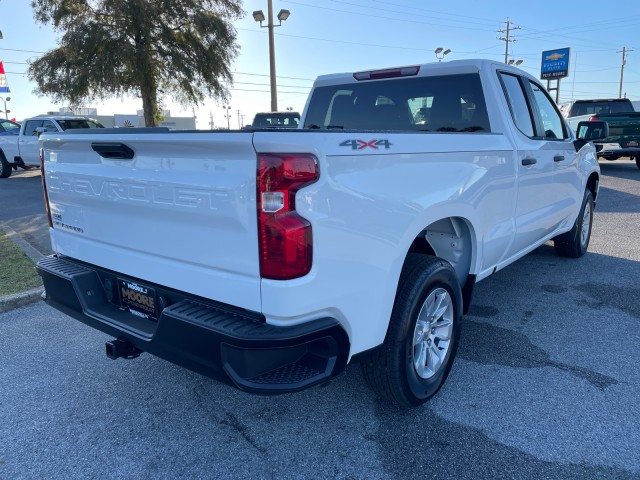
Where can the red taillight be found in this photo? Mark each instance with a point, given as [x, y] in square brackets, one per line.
[593, 118]
[44, 188]
[286, 245]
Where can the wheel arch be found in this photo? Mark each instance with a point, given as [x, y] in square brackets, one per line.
[453, 239]
[449, 238]
[593, 183]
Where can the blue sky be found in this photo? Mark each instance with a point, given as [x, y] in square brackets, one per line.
[332, 36]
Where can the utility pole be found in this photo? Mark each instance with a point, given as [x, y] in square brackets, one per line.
[210, 121]
[507, 38]
[624, 52]
[239, 126]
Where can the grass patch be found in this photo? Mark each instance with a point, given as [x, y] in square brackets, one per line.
[17, 271]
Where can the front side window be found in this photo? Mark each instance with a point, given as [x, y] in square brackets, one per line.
[30, 127]
[552, 123]
[518, 104]
[448, 103]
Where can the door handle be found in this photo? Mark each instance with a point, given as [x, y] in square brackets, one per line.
[558, 158]
[529, 161]
[113, 151]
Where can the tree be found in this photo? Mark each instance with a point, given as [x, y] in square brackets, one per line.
[146, 48]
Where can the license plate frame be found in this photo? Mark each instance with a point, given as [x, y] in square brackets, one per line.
[140, 299]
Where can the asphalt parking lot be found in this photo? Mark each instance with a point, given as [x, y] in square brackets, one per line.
[546, 385]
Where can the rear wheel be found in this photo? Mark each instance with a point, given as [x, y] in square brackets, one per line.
[5, 167]
[575, 242]
[415, 360]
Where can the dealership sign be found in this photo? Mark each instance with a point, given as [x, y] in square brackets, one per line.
[555, 63]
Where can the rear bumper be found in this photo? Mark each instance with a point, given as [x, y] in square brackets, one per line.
[616, 153]
[226, 343]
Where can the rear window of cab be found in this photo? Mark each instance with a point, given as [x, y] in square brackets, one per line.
[447, 103]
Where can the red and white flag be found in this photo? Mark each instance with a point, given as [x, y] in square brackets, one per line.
[4, 85]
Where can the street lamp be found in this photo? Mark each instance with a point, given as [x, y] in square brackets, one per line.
[515, 62]
[4, 101]
[227, 115]
[441, 52]
[258, 16]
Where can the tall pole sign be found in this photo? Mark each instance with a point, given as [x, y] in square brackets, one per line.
[555, 65]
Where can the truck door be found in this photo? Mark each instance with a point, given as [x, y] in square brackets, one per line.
[29, 140]
[537, 153]
[556, 146]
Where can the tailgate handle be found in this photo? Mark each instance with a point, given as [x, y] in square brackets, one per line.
[529, 161]
[113, 151]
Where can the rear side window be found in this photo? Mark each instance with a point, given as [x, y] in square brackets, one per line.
[451, 103]
[70, 124]
[518, 104]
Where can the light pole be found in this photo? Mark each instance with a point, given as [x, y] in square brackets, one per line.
[441, 52]
[227, 115]
[4, 102]
[515, 62]
[258, 16]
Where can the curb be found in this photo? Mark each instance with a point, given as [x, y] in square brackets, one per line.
[21, 299]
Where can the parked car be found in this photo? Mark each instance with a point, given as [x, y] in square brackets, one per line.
[22, 148]
[9, 127]
[623, 121]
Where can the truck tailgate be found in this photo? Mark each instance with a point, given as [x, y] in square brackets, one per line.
[180, 213]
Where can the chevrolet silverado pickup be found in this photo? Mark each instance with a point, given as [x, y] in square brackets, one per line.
[23, 150]
[272, 259]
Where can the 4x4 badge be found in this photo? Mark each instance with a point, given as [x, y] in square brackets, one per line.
[362, 144]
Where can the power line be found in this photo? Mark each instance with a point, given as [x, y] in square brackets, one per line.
[387, 18]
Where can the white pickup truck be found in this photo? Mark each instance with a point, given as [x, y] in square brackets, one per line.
[23, 150]
[272, 259]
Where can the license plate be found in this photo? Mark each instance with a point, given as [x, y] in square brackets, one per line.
[139, 299]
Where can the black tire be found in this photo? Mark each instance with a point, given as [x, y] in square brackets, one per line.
[575, 242]
[5, 167]
[391, 370]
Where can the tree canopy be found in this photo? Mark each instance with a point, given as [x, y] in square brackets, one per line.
[145, 48]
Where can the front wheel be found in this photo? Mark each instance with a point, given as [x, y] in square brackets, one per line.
[417, 355]
[575, 242]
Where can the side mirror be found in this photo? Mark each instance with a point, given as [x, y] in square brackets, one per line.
[39, 130]
[590, 131]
